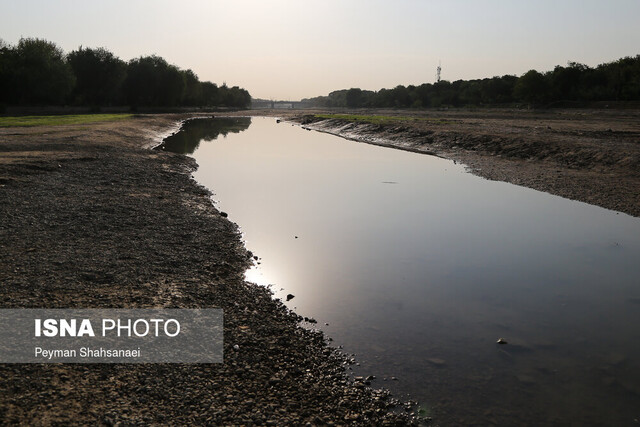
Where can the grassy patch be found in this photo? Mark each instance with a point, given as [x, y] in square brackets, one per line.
[379, 120]
[28, 121]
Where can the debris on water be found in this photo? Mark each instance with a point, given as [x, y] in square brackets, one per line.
[236, 347]
[501, 341]
[290, 297]
[296, 237]
[224, 214]
[278, 120]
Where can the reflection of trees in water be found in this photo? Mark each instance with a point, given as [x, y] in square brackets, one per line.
[193, 131]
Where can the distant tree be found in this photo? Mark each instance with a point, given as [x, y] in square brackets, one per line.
[497, 90]
[171, 86]
[618, 80]
[354, 98]
[41, 74]
[234, 97]
[631, 72]
[469, 92]
[503, 88]
[532, 88]
[401, 96]
[192, 89]
[142, 81]
[338, 98]
[623, 78]
[7, 73]
[210, 94]
[243, 97]
[38, 72]
[423, 93]
[444, 94]
[566, 81]
[99, 76]
[151, 81]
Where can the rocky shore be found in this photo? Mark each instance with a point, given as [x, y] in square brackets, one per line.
[93, 218]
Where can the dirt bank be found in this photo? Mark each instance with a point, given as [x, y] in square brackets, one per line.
[92, 218]
[588, 155]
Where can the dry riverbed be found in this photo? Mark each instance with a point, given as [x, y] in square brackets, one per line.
[91, 218]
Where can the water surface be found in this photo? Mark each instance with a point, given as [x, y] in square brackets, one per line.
[418, 267]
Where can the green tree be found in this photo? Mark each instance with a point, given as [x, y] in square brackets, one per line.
[444, 93]
[192, 89]
[234, 97]
[210, 94]
[401, 97]
[99, 76]
[566, 81]
[42, 76]
[171, 86]
[151, 81]
[7, 75]
[354, 98]
[532, 88]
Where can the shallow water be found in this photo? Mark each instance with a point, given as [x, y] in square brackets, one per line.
[418, 267]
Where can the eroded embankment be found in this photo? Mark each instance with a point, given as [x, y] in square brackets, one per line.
[93, 219]
[594, 159]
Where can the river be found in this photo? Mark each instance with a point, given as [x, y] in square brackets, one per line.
[418, 267]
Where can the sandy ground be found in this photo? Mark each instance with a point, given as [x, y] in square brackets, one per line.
[91, 217]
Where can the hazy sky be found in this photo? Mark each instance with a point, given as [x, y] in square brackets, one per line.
[292, 49]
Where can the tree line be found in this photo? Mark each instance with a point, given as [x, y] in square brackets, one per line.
[573, 85]
[37, 72]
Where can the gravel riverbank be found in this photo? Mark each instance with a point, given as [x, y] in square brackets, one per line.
[93, 218]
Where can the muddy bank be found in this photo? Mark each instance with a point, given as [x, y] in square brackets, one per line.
[586, 155]
[93, 218]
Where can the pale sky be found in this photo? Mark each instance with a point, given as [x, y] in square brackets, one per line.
[293, 49]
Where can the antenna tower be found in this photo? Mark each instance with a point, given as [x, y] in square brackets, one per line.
[438, 71]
